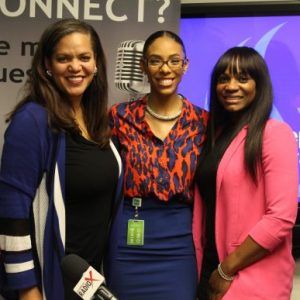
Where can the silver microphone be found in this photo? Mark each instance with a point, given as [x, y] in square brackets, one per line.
[128, 74]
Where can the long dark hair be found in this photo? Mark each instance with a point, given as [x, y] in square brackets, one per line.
[159, 34]
[249, 61]
[41, 89]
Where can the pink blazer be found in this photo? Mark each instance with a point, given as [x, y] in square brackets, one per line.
[266, 211]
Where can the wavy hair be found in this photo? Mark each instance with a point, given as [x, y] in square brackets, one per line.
[41, 89]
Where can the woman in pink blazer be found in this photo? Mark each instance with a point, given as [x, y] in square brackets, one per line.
[246, 199]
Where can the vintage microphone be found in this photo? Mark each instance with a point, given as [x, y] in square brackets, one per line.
[128, 74]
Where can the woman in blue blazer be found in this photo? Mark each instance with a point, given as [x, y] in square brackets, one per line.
[60, 173]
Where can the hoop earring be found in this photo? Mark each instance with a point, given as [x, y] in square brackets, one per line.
[49, 73]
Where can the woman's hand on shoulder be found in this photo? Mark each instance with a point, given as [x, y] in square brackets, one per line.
[30, 294]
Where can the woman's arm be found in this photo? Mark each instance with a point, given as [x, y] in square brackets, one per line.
[21, 170]
[30, 294]
[246, 254]
[279, 175]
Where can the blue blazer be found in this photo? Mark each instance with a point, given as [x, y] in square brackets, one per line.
[32, 215]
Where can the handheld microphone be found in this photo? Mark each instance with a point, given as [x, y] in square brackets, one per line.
[87, 281]
[128, 74]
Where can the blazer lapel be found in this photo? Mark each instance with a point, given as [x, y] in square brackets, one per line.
[230, 151]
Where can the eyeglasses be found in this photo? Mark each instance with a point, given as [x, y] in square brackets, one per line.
[173, 62]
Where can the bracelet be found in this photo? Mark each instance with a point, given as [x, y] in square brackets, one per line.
[223, 275]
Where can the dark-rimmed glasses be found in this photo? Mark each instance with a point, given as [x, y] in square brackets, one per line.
[173, 62]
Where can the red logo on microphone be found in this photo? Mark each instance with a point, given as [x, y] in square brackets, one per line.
[90, 278]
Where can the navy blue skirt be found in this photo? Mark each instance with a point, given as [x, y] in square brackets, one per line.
[165, 267]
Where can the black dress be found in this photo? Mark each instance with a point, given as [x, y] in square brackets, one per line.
[91, 180]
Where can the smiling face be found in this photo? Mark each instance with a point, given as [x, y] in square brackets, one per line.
[164, 65]
[235, 91]
[73, 65]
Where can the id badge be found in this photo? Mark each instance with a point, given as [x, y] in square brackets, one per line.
[135, 232]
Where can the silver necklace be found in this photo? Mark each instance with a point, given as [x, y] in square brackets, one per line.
[162, 117]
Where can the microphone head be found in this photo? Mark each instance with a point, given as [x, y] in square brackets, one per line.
[73, 266]
[128, 74]
[85, 279]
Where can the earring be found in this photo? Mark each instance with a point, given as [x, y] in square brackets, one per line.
[49, 73]
[96, 71]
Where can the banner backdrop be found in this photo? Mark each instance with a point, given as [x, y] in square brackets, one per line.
[121, 24]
